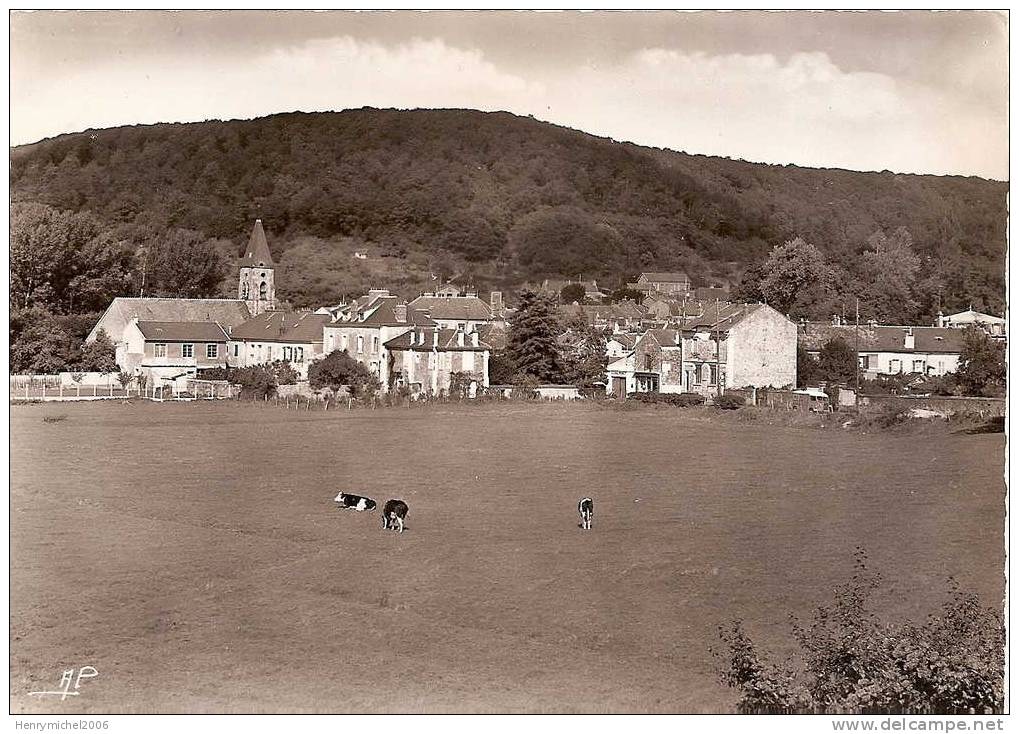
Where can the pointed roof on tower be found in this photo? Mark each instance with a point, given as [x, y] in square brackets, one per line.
[257, 254]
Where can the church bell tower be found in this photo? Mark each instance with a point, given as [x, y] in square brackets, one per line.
[256, 284]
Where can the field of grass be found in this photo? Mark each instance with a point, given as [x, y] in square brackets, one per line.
[193, 555]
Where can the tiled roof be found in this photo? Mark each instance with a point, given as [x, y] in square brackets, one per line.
[256, 254]
[279, 326]
[381, 311]
[665, 337]
[228, 312]
[495, 335]
[627, 340]
[926, 339]
[676, 277]
[466, 308]
[182, 331]
[447, 341]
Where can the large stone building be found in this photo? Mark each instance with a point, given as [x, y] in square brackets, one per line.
[172, 351]
[731, 346]
[891, 350]
[426, 360]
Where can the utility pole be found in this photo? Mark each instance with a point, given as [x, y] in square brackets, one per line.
[718, 353]
[856, 391]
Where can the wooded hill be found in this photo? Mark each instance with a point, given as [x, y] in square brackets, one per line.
[500, 199]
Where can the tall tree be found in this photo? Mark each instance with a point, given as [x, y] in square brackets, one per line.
[533, 346]
[837, 360]
[185, 264]
[982, 369]
[889, 271]
[796, 279]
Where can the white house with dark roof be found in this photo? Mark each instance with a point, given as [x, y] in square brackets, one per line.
[891, 350]
[993, 325]
[171, 351]
[294, 337]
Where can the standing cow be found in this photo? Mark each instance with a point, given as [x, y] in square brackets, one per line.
[394, 513]
[586, 509]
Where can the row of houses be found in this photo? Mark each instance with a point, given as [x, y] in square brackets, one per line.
[672, 342]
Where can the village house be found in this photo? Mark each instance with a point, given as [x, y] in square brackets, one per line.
[172, 351]
[653, 365]
[676, 283]
[730, 346]
[619, 345]
[427, 360]
[294, 337]
[363, 332]
[464, 311]
[993, 325]
[891, 350]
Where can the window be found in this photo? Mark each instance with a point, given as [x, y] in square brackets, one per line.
[895, 366]
[864, 362]
[360, 345]
[375, 344]
[245, 290]
[299, 354]
[187, 350]
[212, 351]
[917, 365]
[159, 350]
[468, 362]
[263, 290]
[237, 350]
[649, 363]
[344, 342]
[288, 353]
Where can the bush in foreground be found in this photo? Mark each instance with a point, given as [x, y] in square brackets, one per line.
[851, 661]
[681, 400]
[730, 401]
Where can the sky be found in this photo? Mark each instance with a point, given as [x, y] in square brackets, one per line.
[910, 92]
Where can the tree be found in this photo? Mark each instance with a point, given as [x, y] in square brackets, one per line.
[982, 369]
[889, 273]
[837, 361]
[572, 293]
[626, 294]
[532, 338]
[338, 369]
[583, 357]
[565, 240]
[796, 279]
[64, 261]
[184, 264]
[99, 355]
[808, 372]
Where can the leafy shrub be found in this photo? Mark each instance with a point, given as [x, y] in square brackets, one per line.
[525, 387]
[954, 662]
[681, 400]
[730, 401]
[339, 369]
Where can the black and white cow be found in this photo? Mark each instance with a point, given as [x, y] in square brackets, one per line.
[354, 502]
[394, 513]
[586, 509]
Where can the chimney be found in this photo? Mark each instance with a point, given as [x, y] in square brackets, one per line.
[941, 319]
[910, 340]
[474, 339]
[400, 310]
[496, 302]
[435, 338]
[459, 338]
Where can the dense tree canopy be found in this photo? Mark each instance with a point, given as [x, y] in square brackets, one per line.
[512, 197]
[532, 346]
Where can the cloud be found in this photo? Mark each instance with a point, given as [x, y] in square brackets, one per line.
[803, 109]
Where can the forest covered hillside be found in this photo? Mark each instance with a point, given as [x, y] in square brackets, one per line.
[497, 199]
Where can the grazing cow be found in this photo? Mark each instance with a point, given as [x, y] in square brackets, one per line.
[586, 509]
[393, 515]
[354, 502]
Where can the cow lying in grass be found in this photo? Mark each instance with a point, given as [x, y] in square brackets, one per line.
[393, 515]
[586, 509]
[354, 502]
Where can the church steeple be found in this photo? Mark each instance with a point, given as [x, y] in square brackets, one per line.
[256, 283]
